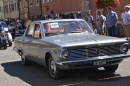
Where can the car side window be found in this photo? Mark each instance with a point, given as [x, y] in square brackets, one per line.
[37, 31]
[30, 30]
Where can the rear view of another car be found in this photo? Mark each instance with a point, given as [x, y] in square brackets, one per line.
[19, 32]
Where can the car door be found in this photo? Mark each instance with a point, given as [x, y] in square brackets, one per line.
[35, 43]
[27, 39]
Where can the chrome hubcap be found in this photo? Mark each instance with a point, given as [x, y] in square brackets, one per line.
[53, 67]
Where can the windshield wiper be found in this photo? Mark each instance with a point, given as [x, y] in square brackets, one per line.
[75, 31]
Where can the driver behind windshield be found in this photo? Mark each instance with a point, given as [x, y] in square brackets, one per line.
[75, 28]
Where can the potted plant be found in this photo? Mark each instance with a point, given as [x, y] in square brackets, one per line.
[105, 3]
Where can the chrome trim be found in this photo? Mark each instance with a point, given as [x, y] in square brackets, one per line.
[124, 45]
[62, 55]
[112, 57]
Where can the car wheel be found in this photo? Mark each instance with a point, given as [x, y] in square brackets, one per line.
[10, 44]
[112, 68]
[24, 60]
[54, 71]
[4, 44]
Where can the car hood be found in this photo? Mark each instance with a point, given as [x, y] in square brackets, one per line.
[83, 39]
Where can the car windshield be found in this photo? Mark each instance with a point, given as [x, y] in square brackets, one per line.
[11, 25]
[63, 27]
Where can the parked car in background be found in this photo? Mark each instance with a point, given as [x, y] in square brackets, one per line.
[12, 28]
[68, 44]
[19, 32]
[7, 34]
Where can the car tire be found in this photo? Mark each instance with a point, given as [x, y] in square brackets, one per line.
[24, 60]
[54, 71]
[4, 44]
[112, 68]
[10, 44]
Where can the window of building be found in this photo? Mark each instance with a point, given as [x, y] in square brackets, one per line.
[0, 8]
[15, 6]
[12, 7]
[30, 3]
[45, 1]
[6, 8]
[37, 2]
[9, 9]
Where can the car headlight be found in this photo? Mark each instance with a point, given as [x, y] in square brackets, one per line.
[65, 54]
[124, 48]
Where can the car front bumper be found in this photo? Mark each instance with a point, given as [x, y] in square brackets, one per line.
[88, 63]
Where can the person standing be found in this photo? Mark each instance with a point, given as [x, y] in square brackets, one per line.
[101, 20]
[112, 19]
[127, 21]
[123, 15]
[27, 22]
[123, 19]
[90, 20]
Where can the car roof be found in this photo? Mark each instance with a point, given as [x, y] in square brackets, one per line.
[56, 20]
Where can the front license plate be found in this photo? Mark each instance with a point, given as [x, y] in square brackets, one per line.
[102, 62]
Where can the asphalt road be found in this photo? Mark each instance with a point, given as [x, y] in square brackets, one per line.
[13, 73]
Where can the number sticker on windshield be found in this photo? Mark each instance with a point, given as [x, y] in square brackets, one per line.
[5, 29]
[54, 25]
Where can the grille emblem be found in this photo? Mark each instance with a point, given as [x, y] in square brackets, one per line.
[101, 52]
[98, 51]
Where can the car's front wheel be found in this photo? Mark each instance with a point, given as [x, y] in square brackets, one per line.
[54, 71]
[10, 44]
[24, 60]
[112, 68]
[4, 44]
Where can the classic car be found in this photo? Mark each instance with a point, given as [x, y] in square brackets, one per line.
[68, 44]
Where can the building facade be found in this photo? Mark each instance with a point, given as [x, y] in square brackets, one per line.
[50, 7]
[1, 10]
[7, 9]
[11, 9]
[14, 9]
[35, 9]
[23, 8]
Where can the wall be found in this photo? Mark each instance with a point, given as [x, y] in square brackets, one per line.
[2, 10]
[35, 10]
[61, 6]
[8, 14]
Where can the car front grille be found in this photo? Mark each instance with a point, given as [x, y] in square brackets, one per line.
[95, 51]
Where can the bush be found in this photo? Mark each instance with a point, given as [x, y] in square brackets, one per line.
[105, 3]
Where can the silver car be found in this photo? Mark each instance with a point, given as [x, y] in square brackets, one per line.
[67, 44]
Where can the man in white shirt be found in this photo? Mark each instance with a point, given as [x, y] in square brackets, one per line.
[123, 19]
[101, 20]
[127, 21]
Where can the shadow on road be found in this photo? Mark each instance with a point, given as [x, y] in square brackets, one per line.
[37, 75]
